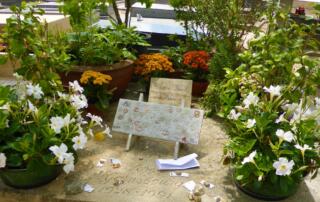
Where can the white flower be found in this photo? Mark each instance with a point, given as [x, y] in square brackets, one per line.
[62, 95]
[251, 123]
[295, 69]
[56, 124]
[291, 107]
[317, 99]
[107, 131]
[32, 108]
[68, 163]
[67, 120]
[75, 86]
[3, 160]
[17, 76]
[251, 99]
[250, 158]
[96, 119]
[283, 166]
[79, 141]
[281, 118]
[90, 132]
[59, 152]
[304, 148]
[273, 90]
[34, 91]
[5, 107]
[79, 101]
[233, 115]
[287, 136]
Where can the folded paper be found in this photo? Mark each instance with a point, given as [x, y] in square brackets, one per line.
[183, 163]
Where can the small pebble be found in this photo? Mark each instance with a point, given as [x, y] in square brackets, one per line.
[206, 184]
[198, 191]
[116, 165]
[218, 199]
[118, 182]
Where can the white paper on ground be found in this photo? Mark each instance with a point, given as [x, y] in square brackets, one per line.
[174, 174]
[182, 163]
[99, 165]
[88, 188]
[190, 185]
[115, 161]
[184, 175]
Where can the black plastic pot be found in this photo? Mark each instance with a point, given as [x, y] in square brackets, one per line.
[30, 178]
[263, 196]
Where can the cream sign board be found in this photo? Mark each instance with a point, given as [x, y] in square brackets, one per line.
[170, 91]
[158, 121]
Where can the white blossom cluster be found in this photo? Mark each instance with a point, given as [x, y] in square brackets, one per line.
[293, 114]
[59, 124]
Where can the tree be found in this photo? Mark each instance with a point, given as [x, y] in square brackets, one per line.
[128, 5]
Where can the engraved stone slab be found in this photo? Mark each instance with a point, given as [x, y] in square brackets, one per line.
[158, 121]
[170, 91]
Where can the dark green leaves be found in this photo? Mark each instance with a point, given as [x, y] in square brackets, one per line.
[241, 146]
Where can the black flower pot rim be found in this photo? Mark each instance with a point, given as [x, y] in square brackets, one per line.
[257, 195]
[23, 178]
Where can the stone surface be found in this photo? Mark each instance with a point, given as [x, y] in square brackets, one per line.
[171, 91]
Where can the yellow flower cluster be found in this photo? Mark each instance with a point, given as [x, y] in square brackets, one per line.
[148, 63]
[97, 78]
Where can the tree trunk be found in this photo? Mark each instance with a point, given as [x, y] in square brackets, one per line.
[128, 8]
[116, 11]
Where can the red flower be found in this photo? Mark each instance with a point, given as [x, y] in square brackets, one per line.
[196, 59]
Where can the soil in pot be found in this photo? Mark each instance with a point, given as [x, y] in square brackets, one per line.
[33, 176]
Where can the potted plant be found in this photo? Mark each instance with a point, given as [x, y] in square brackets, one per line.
[97, 90]
[33, 52]
[152, 65]
[109, 51]
[41, 126]
[197, 70]
[272, 113]
[41, 133]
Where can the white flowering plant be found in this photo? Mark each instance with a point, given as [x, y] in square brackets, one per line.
[50, 129]
[272, 113]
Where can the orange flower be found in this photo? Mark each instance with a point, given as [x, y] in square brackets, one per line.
[196, 59]
[96, 78]
[148, 63]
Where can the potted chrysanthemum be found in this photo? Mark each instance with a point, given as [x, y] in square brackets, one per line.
[40, 135]
[97, 90]
[197, 69]
[152, 65]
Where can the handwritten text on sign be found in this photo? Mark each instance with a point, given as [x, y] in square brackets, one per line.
[170, 91]
[158, 121]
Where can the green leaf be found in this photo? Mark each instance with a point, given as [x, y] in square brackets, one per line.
[3, 59]
[14, 160]
[241, 146]
[286, 152]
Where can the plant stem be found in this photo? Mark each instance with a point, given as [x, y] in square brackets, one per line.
[128, 8]
[116, 11]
